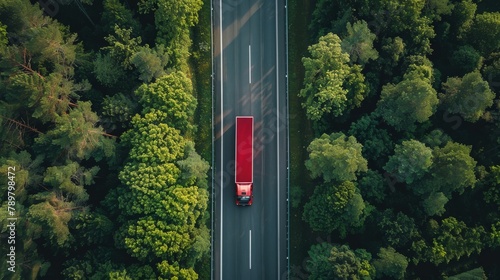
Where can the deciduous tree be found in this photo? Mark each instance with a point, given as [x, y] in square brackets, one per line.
[335, 157]
[335, 207]
[411, 160]
[390, 263]
[359, 43]
[468, 96]
[413, 100]
[330, 80]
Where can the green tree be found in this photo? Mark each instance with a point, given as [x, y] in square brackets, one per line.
[468, 96]
[150, 63]
[484, 34]
[335, 207]
[492, 194]
[3, 37]
[122, 46]
[107, 70]
[335, 157]
[454, 240]
[116, 14]
[174, 271]
[376, 141]
[411, 100]
[397, 229]
[390, 264]
[328, 79]
[117, 111]
[436, 8]
[359, 43]
[411, 160]
[70, 180]
[193, 168]
[77, 136]
[462, 17]
[172, 96]
[476, 273]
[372, 186]
[339, 262]
[173, 20]
[452, 171]
[404, 18]
[466, 59]
[149, 239]
[434, 204]
[393, 48]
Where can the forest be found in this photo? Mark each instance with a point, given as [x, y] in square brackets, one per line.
[98, 116]
[402, 159]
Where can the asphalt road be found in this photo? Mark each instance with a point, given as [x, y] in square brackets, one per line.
[250, 79]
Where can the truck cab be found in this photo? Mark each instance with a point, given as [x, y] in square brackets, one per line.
[244, 195]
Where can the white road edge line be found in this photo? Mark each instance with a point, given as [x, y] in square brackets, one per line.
[278, 135]
[249, 64]
[221, 136]
[250, 246]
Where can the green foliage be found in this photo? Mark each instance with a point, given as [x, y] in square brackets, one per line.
[411, 100]
[296, 196]
[339, 262]
[404, 18]
[436, 8]
[398, 229]
[462, 17]
[468, 96]
[451, 171]
[373, 187]
[335, 157]
[484, 34]
[466, 59]
[76, 135]
[49, 219]
[117, 111]
[331, 85]
[172, 96]
[376, 141]
[492, 194]
[473, 274]
[435, 138]
[434, 204]
[411, 160]
[70, 180]
[116, 14]
[107, 70]
[3, 37]
[194, 169]
[147, 239]
[91, 228]
[390, 264]
[394, 48]
[335, 207]
[150, 63]
[121, 46]
[493, 238]
[175, 272]
[173, 19]
[359, 43]
[455, 240]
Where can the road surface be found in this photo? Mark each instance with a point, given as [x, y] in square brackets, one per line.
[250, 79]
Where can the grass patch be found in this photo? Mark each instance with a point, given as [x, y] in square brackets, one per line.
[201, 66]
[301, 134]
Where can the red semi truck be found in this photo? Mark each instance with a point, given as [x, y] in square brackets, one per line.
[244, 160]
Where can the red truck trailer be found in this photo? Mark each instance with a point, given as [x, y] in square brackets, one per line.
[243, 175]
